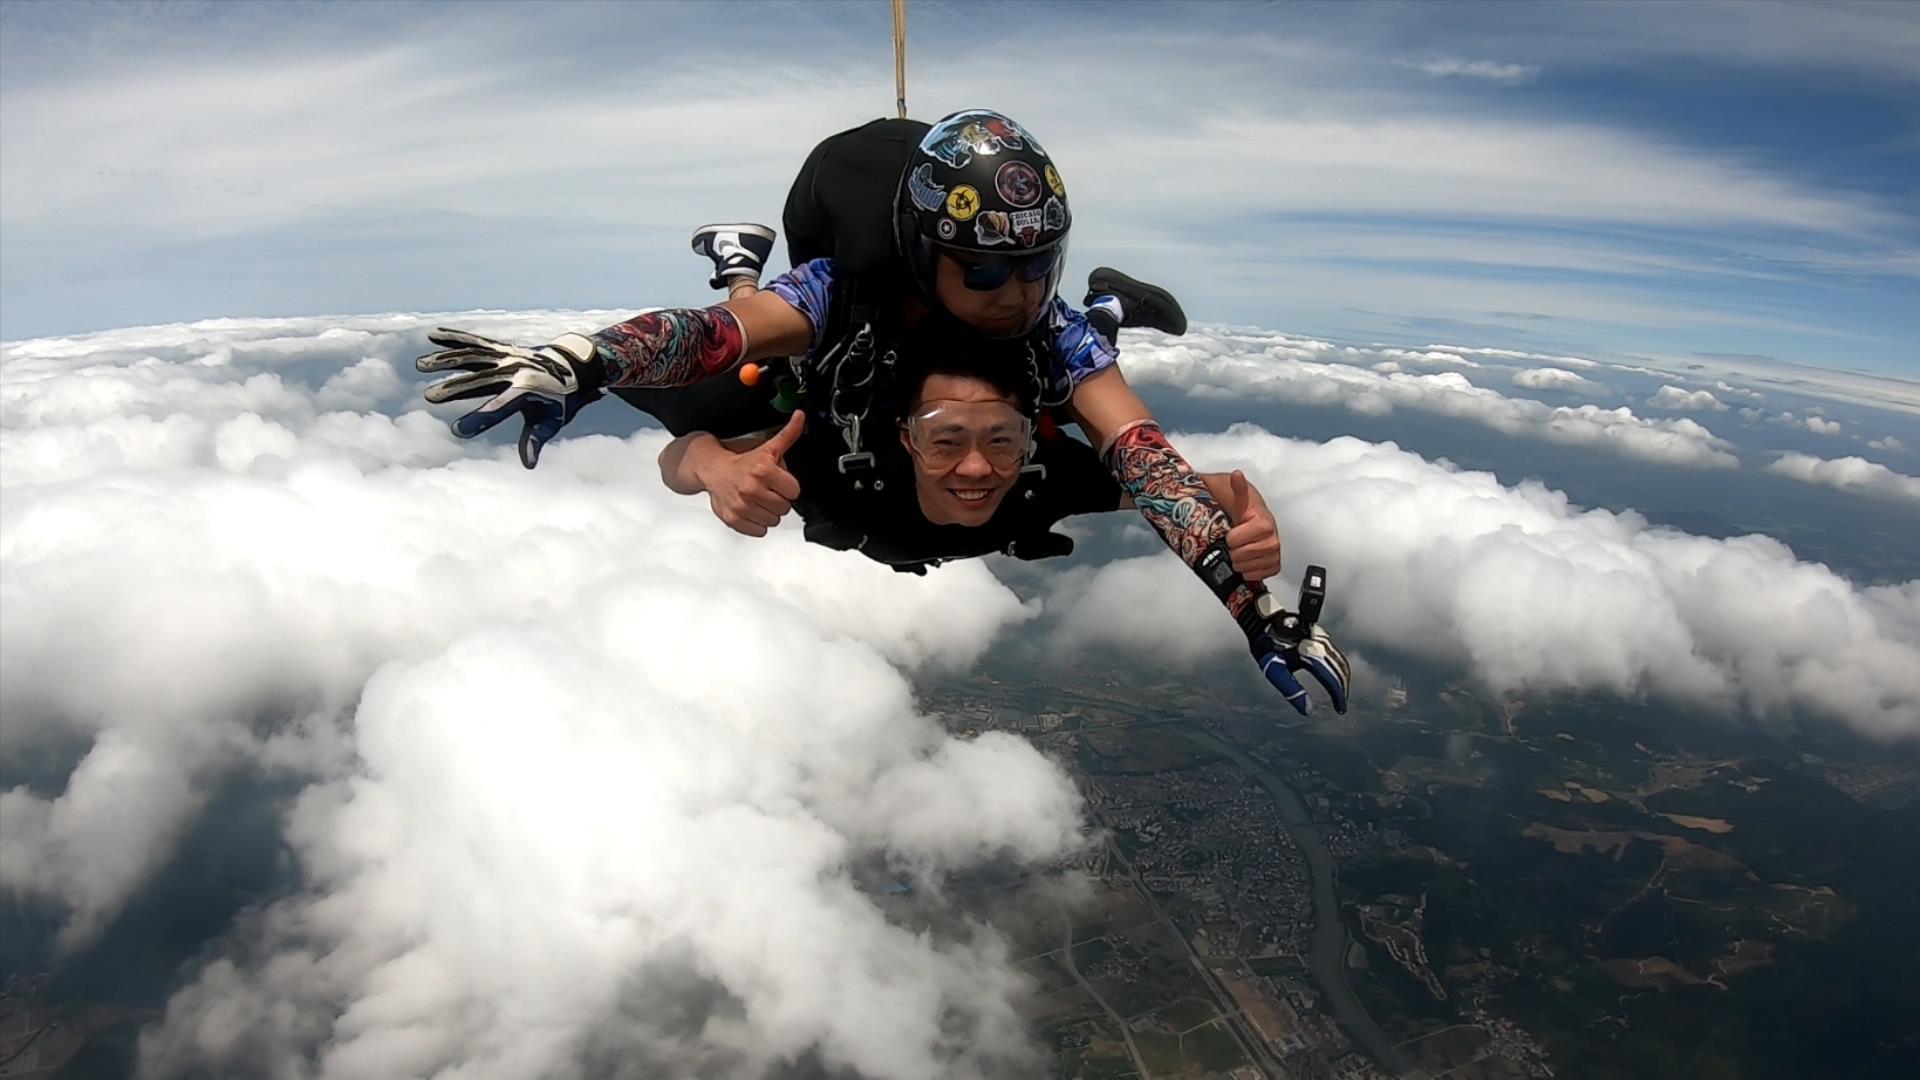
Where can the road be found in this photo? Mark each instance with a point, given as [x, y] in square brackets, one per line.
[1066, 956]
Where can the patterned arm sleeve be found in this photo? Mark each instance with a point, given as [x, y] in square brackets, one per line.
[1174, 500]
[662, 349]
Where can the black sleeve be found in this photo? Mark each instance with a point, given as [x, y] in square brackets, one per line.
[1076, 480]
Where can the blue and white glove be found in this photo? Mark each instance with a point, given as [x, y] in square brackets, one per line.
[1314, 652]
[546, 386]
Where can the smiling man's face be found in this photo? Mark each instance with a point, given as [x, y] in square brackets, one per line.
[967, 440]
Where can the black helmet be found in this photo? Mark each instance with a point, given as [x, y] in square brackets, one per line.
[980, 184]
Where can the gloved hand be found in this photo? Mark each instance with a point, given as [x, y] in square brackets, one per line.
[547, 385]
[1284, 642]
[1313, 652]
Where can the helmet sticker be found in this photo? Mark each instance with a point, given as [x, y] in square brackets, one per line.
[1056, 217]
[1006, 131]
[963, 202]
[959, 137]
[992, 228]
[979, 140]
[946, 228]
[951, 152]
[927, 195]
[1053, 181]
[1026, 225]
[1017, 183]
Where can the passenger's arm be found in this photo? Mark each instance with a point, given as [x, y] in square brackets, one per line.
[691, 456]
[746, 479]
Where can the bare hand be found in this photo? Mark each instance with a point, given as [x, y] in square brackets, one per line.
[1253, 543]
[753, 490]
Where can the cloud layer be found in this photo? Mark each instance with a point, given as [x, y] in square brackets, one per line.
[587, 779]
[1531, 592]
[587, 775]
[1855, 474]
[1241, 364]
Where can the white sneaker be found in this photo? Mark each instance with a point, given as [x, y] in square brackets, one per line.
[739, 252]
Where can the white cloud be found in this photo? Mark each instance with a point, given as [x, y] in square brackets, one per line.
[1430, 357]
[591, 779]
[1554, 379]
[1238, 364]
[1855, 474]
[1670, 396]
[1850, 387]
[579, 757]
[1731, 390]
[1813, 422]
[1515, 354]
[1890, 442]
[1490, 70]
[1532, 592]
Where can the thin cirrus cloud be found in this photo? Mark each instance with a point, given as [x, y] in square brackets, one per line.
[546, 822]
[416, 173]
[1490, 70]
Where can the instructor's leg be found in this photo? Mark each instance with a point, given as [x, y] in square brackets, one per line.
[739, 253]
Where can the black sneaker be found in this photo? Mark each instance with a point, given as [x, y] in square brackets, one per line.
[1140, 304]
[739, 252]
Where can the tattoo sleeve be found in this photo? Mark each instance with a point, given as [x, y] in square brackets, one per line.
[670, 348]
[1174, 500]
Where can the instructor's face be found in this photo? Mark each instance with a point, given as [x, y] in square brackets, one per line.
[962, 469]
[1000, 312]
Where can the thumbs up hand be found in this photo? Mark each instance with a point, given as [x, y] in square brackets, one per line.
[1253, 543]
[752, 491]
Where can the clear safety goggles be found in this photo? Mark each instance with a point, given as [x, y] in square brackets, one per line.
[945, 432]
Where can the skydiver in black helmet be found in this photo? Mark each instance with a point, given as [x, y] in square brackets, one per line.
[973, 253]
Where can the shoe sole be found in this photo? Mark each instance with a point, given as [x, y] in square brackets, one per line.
[1104, 276]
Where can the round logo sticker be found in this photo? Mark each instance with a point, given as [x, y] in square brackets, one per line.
[946, 228]
[1053, 181]
[963, 202]
[1017, 183]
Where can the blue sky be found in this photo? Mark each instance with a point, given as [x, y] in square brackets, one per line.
[1652, 180]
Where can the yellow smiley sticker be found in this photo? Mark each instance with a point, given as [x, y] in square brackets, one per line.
[962, 203]
[1053, 181]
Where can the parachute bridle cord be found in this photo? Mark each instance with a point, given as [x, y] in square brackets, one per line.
[900, 56]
